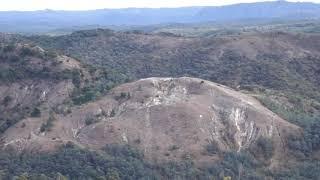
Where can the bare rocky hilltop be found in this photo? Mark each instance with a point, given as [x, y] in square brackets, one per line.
[166, 118]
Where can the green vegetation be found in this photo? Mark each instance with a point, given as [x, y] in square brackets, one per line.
[125, 162]
[239, 27]
[266, 146]
[74, 163]
[263, 149]
[306, 115]
[120, 162]
[45, 127]
[310, 142]
[91, 120]
[36, 112]
[26, 51]
[293, 81]
[122, 96]
[83, 95]
[194, 58]
[174, 148]
[21, 64]
[212, 148]
[16, 63]
[298, 112]
[112, 113]
[7, 100]
[7, 48]
[102, 81]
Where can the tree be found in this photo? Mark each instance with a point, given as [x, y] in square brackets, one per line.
[48, 125]
[112, 113]
[113, 175]
[36, 112]
[7, 100]
[24, 176]
[61, 177]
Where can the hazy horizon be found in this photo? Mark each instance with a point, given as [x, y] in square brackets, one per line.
[82, 5]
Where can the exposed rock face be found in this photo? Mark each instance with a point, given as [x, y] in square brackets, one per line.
[167, 118]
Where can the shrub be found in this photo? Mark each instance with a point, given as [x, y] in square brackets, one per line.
[14, 58]
[8, 74]
[48, 124]
[91, 120]
[212, 148]
[123, 96]
[26, 51]
[112, 113]
[173, 148]
[51, 54]
[76, 79]
[83, 97]
[266, 147]
[36, 112]
[8, 48]
[7, 100]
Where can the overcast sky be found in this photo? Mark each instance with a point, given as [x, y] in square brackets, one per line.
[6, 5]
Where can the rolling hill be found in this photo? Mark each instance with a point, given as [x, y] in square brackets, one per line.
[47, 21]
[165, 118]
[276, 60]
[66, 105]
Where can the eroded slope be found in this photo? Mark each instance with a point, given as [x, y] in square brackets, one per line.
[167, 118]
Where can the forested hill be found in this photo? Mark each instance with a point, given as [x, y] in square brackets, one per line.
[58, 91]
[280, 69]
[279, 61]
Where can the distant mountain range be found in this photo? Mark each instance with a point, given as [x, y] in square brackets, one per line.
[50, 20]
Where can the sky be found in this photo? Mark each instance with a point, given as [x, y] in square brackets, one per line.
[28, 5]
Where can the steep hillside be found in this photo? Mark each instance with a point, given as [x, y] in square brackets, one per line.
[29, 78]
[167, 119]
[34, 82]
